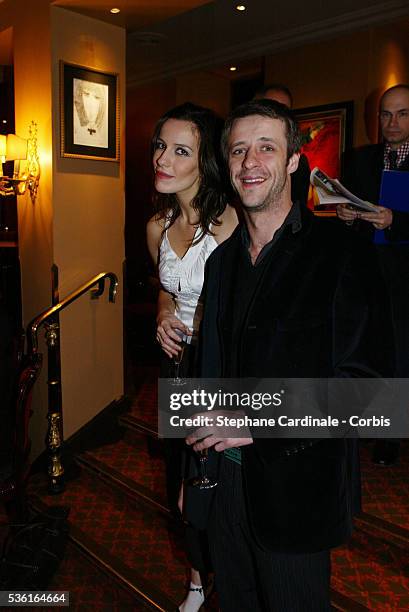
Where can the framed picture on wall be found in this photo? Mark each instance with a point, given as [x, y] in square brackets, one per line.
[89, 113]
[326, 133]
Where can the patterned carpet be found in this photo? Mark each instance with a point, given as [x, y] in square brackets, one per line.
[145, 404]
[139, 458]
[385, 490]
[373, 573]
[90, 589]
[143, 539]
[370, 571]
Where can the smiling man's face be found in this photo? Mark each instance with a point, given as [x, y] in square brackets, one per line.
[258, 161]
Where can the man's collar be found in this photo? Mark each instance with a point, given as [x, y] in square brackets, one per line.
[402, 153]
[293, 219]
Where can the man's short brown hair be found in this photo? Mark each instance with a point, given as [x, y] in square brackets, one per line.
[264, 108]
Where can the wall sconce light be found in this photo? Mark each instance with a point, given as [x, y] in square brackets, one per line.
[3, 140]
[14, 148]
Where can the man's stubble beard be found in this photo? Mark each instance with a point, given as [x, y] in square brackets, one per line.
[272, 199]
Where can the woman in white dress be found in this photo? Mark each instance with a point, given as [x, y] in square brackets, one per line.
[192, 218]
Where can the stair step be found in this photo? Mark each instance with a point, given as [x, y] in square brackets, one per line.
[139, 425]
[137, 457]
[145, 405]
[115, 586]
[146, 543]
[385, 530]
[97, 587]
[143, 590]
[345, 604]
[117, 476]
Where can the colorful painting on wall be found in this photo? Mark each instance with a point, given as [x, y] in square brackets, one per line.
[326, 134]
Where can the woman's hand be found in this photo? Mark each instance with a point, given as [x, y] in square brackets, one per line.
[169, 325]
[166, 333]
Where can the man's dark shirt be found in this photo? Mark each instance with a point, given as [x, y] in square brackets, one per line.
[250, 275]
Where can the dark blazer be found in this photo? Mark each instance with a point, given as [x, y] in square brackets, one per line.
[362, 175]
[314, 314]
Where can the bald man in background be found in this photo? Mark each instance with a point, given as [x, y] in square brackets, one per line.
[362, 175]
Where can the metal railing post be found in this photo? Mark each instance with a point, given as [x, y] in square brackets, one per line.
[50, 319]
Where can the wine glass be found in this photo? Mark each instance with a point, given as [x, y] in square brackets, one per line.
[177, 359]
[203, 481]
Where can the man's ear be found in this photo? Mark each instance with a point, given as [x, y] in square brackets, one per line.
[292, 164]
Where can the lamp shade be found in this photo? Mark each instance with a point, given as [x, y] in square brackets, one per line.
[16, 147]
[3, 141]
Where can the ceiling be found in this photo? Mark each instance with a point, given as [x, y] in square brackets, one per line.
[170, 37]
[135, 14]
[216, 34]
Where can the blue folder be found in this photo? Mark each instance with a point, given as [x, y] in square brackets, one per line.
[395, 195]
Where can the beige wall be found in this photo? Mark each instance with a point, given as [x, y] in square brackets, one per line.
[357, 66]
[32, 86]
[77, 221]
[88, 230]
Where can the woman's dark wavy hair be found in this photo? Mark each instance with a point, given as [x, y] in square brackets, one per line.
[211, 198]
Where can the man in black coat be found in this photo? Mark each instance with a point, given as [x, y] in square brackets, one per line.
[288, 296]
[362, 175]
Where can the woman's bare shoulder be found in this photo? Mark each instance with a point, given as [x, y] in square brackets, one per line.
[154, 233]
[229, 221]
[157, 221]
[156, 225]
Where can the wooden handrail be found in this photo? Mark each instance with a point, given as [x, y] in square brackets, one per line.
[99, 279]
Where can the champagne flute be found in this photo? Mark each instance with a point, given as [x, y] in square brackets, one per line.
[177, 359]
[203, 481]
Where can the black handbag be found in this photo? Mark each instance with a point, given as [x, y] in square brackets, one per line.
[197, 503]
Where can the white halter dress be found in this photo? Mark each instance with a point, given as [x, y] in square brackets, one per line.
[183, 276]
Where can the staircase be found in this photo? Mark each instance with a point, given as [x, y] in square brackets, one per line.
[128, 550]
